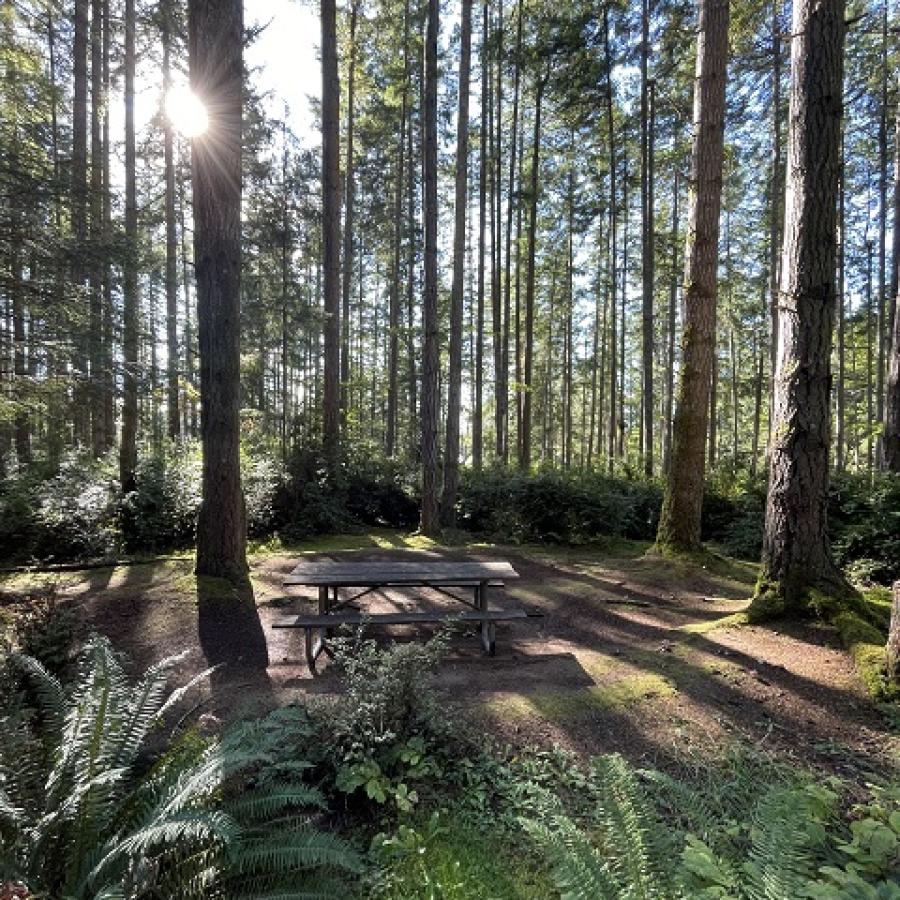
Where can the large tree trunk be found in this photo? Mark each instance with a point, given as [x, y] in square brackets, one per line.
[172, 404]
[331, 233]
[892, 408]
[454, 383]
[679, 525]
[128, 446]
[670, 333]
[97, 251]
[796, 556]
[216, 36]
[430, 358]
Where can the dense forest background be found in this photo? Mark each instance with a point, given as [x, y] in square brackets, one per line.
[561, 359]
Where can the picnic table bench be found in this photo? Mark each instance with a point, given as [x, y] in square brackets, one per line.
[442, 576]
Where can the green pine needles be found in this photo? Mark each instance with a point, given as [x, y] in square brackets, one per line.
[81, 816]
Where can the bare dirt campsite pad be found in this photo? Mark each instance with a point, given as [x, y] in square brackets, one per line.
[636, 654]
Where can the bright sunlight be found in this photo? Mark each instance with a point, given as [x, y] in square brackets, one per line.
[186, 111]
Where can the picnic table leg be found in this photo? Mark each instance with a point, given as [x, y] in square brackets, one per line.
[314, 638]
[488, 630]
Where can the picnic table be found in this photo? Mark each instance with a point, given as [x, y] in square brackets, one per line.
[445, 577]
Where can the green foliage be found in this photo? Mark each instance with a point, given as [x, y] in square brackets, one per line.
[82, 816]
[762, 841]
[386, 737]
[864, 520]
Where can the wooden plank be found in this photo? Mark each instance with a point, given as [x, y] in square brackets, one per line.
[362, 573]
[494, 615]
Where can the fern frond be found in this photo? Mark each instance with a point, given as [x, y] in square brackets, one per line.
[289, 850]
[578, 869]
[47, 688]
[273, 801]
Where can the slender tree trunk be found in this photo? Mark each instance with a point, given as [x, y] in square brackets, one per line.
[454, 385]
[796, 555]
[412, 382]
[81, 408]
[350, 188]
[892, 407]
[679, 526]
[216, 38]
[172, 400]
[612, 238]
[870, 337]
[670, 333]
[478, 414]
[331, 233]
[525, 451]
[647, 249]
[108, 377]
[429, 523]
[882, 239]
[841, 321]
[128, 446]
[96, 251]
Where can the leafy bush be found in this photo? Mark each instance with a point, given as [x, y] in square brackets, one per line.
[79, 820]
[864, 521]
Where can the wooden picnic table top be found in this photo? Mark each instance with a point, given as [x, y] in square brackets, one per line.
[362, 573]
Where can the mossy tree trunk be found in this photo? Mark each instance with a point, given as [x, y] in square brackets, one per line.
[679, 524]
[892, 651]
[797, 562]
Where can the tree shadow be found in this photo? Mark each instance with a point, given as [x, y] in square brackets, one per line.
[232, 639]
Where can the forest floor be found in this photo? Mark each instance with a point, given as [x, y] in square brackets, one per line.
[634, 654]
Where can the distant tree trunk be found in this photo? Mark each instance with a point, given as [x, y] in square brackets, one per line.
[81, 408]
[128, 446]
[839, 440]
[350, 197]
[216, 38]
[647, 249]
[892, 650]
[478, 414]
[870, 337]
[390, 440]
[882, 239]
[892, 408]
[429, 523]
[796, 555]
[191, 406]
[670, 333]
[331, 233]
[511, 203]
[525, 450]
[612, 237]
[97, 251]
[108, 387]
[454, 384]
[172, 400]
[569, 352]
[412, 378]
[679, 526]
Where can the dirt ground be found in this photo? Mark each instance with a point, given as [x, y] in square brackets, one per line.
[633, 653]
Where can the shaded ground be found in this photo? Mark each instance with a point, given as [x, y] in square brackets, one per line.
[633, 654]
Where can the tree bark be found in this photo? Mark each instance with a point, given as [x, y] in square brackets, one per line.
[796, 556]
[96, 251]
[679, 526]
[670, 332]
[892, 650]
[128, 446]
[429, 523]
[331, 234]
[525, 449]
[892, 405]
[478, 413]
[647, 249]
[612, 237]
[350, 197]
[216, 39]
[454, 383]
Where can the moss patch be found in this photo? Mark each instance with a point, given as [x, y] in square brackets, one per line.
[732, 621]
[562, 706]
[865, 643]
